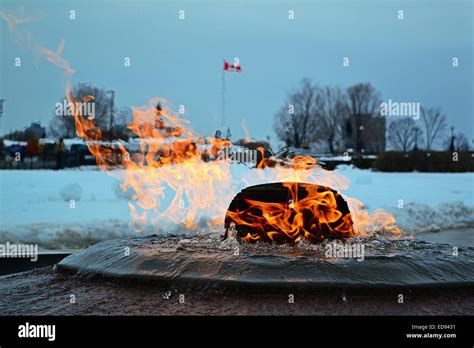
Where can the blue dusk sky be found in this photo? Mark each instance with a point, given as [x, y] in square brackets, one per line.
[181, 60]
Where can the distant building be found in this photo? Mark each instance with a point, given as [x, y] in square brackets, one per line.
[35, 131]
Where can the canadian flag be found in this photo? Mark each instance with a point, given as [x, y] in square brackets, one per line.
[231, 67]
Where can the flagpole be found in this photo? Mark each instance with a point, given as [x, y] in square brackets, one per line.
[223, 99]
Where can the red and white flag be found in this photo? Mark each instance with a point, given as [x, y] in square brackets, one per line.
[231, 67]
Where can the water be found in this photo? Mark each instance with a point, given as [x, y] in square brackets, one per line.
[207, 261]
[454, 237]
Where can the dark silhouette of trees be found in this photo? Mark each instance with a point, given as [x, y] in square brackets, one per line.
[364, 118]
[331, 114]
[461, 142]
[295, 121]
[402, 134]
[434, 123]
[63, 126]
[340, 119]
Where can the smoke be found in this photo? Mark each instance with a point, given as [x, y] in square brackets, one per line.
[24, 38]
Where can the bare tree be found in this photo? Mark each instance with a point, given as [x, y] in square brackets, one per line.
[364, 105]
[295, 121]
[434, 123]
[332, 111]
[402, 134]
[64, 126]
[461, 142]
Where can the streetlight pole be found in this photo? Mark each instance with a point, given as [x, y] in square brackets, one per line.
[112, 97]
[451, 146]
[1, 113]
[415, 148]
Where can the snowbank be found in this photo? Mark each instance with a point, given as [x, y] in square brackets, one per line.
[78, 207]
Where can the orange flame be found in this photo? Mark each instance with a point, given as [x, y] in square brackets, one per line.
[296, 211]
[175, 159]
[171, 157]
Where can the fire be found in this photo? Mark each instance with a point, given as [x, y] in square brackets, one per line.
[291, 212]
[172, 158]
[174, 161]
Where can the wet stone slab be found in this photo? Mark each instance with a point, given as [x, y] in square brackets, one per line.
[208, 262]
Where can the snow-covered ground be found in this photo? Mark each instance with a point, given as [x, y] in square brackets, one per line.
[35, 205]
[420, 202]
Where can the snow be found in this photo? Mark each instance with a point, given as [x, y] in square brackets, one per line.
[420, 202]
[35, 206]
[378, 189]
[7, 142]
[334, 158]
[77, 207]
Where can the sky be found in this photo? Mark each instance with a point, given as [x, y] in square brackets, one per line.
[407, 60]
